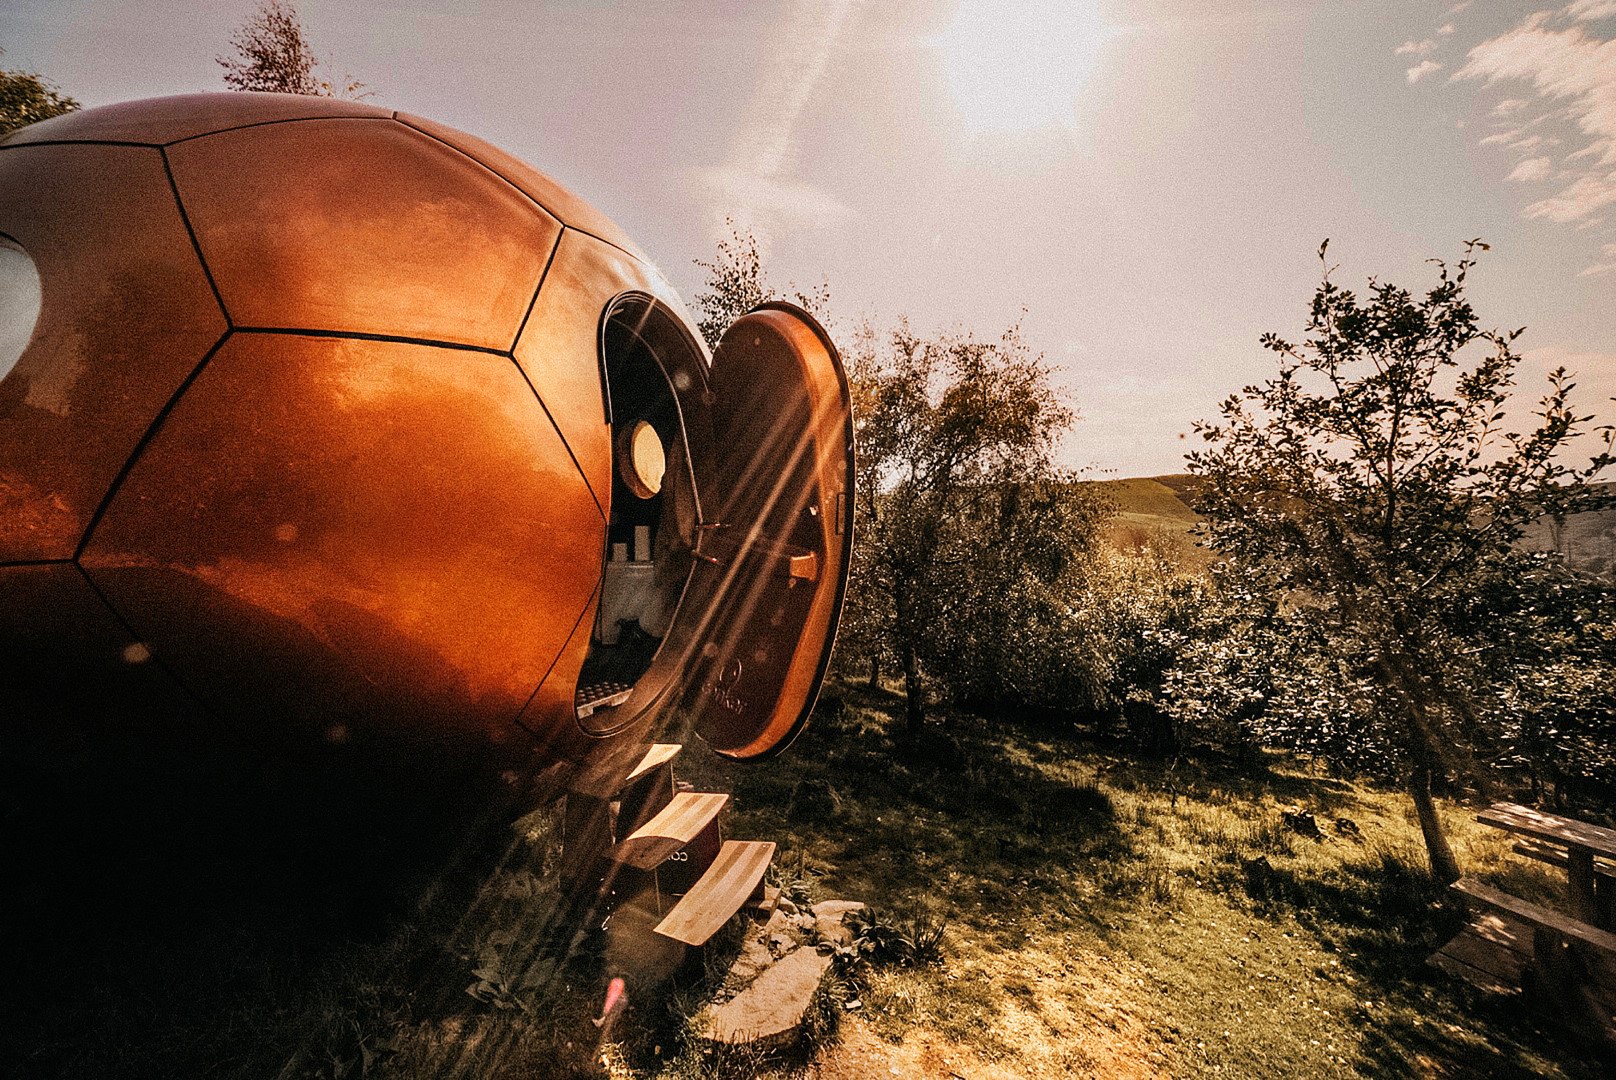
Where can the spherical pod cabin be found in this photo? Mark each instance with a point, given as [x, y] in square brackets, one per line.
[321, 423]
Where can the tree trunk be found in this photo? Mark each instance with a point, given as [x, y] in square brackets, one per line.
[1444, 867]
[875, 671]
[914, 708]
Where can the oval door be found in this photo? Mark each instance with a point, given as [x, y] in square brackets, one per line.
[776, 531]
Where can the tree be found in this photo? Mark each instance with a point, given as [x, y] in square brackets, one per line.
[26, 98]
[966, 536]
[967, 526]
[272, 55]
[1374, 486]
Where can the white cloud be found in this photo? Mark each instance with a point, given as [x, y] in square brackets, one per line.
[1572, 67]
[1591, 9]
[1456, 8]
[1510, 106]
[1445, 29]
[1605, 267]
[1579, 199]
[1416, 48]
[1532, 169]
[755, 184]
[1422, 69]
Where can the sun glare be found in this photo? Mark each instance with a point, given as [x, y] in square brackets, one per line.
[1020, 66]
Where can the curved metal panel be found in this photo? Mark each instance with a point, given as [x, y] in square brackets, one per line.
[551, 716]
[569, 208]
[560, 348]
[362, 226]
[126, 316]
[349, 534]
[164, 120]
[774, 555]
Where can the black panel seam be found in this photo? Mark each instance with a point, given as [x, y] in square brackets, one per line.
[361, 335]
[589, 487]
[543, 275]
[196, 244]
[140, 447]
[268, 123]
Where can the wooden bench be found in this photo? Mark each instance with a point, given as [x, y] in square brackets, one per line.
[1538, 916]
[733, 879]
[1556, 856]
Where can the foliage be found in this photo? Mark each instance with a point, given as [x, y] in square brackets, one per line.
[967, 539]
[272, 55]
[26, 98]
[736, 283]
[1372, 487]
[882, 942]
[969, 535]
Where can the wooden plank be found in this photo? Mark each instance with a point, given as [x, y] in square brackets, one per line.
[1532, 913]
[1550, 827]
[1501, 962]
[728, 883]
[659, 754]
[674, 826]
[1556, 856]
[1474, 976]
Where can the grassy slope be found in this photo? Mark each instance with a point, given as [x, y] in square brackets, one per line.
[1153, 508]
[1102, 919]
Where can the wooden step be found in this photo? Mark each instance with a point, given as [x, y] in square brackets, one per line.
[674, 826]
[659, 754]
[1536, 915]
[729, 882]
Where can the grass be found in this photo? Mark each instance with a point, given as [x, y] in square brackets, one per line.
[1100, 907]
[1105, 916]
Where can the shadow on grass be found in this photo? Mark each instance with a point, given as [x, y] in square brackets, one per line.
[176, 912]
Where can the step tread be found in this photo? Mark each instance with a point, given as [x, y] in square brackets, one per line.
[674, 826]
[726, 886]
[657, 754]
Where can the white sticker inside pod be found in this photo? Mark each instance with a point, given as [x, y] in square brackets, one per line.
[19, 303]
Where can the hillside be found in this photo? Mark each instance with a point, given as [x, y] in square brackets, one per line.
[1158, 506]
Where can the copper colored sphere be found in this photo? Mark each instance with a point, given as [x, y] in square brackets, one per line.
[320, 421]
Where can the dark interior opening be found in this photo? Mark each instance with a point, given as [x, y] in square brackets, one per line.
[652, 530]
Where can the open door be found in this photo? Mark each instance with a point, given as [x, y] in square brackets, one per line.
[775, 534]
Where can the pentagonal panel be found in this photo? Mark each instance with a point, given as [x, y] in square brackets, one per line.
[61, 644]
[184, 116]
[566, 206]
[342, 532]
[126, 315]
[362, 226]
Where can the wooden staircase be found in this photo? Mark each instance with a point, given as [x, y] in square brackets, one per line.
[653, 843]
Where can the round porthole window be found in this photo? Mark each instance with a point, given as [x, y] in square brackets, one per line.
[19, 303]
[641, 460]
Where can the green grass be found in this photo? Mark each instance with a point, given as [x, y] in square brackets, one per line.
[1100, 907]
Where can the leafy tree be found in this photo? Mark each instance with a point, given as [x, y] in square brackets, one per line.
[1375, 487]
[272, 55]
[26, 98]
[967, 526]
[966, 537]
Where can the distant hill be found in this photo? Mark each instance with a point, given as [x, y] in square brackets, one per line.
[1159, 506]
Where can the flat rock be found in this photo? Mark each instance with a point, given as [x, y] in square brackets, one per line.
[835, 909]
[772, 1008]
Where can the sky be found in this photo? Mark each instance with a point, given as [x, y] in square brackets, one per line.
[1142, 185]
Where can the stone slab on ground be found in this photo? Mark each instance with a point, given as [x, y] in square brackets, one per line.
[772, 1009]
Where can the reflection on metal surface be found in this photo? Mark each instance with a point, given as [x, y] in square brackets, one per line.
[310, 419]
[407, 238]
[19, 303]
[127, 315]
[409, 509]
